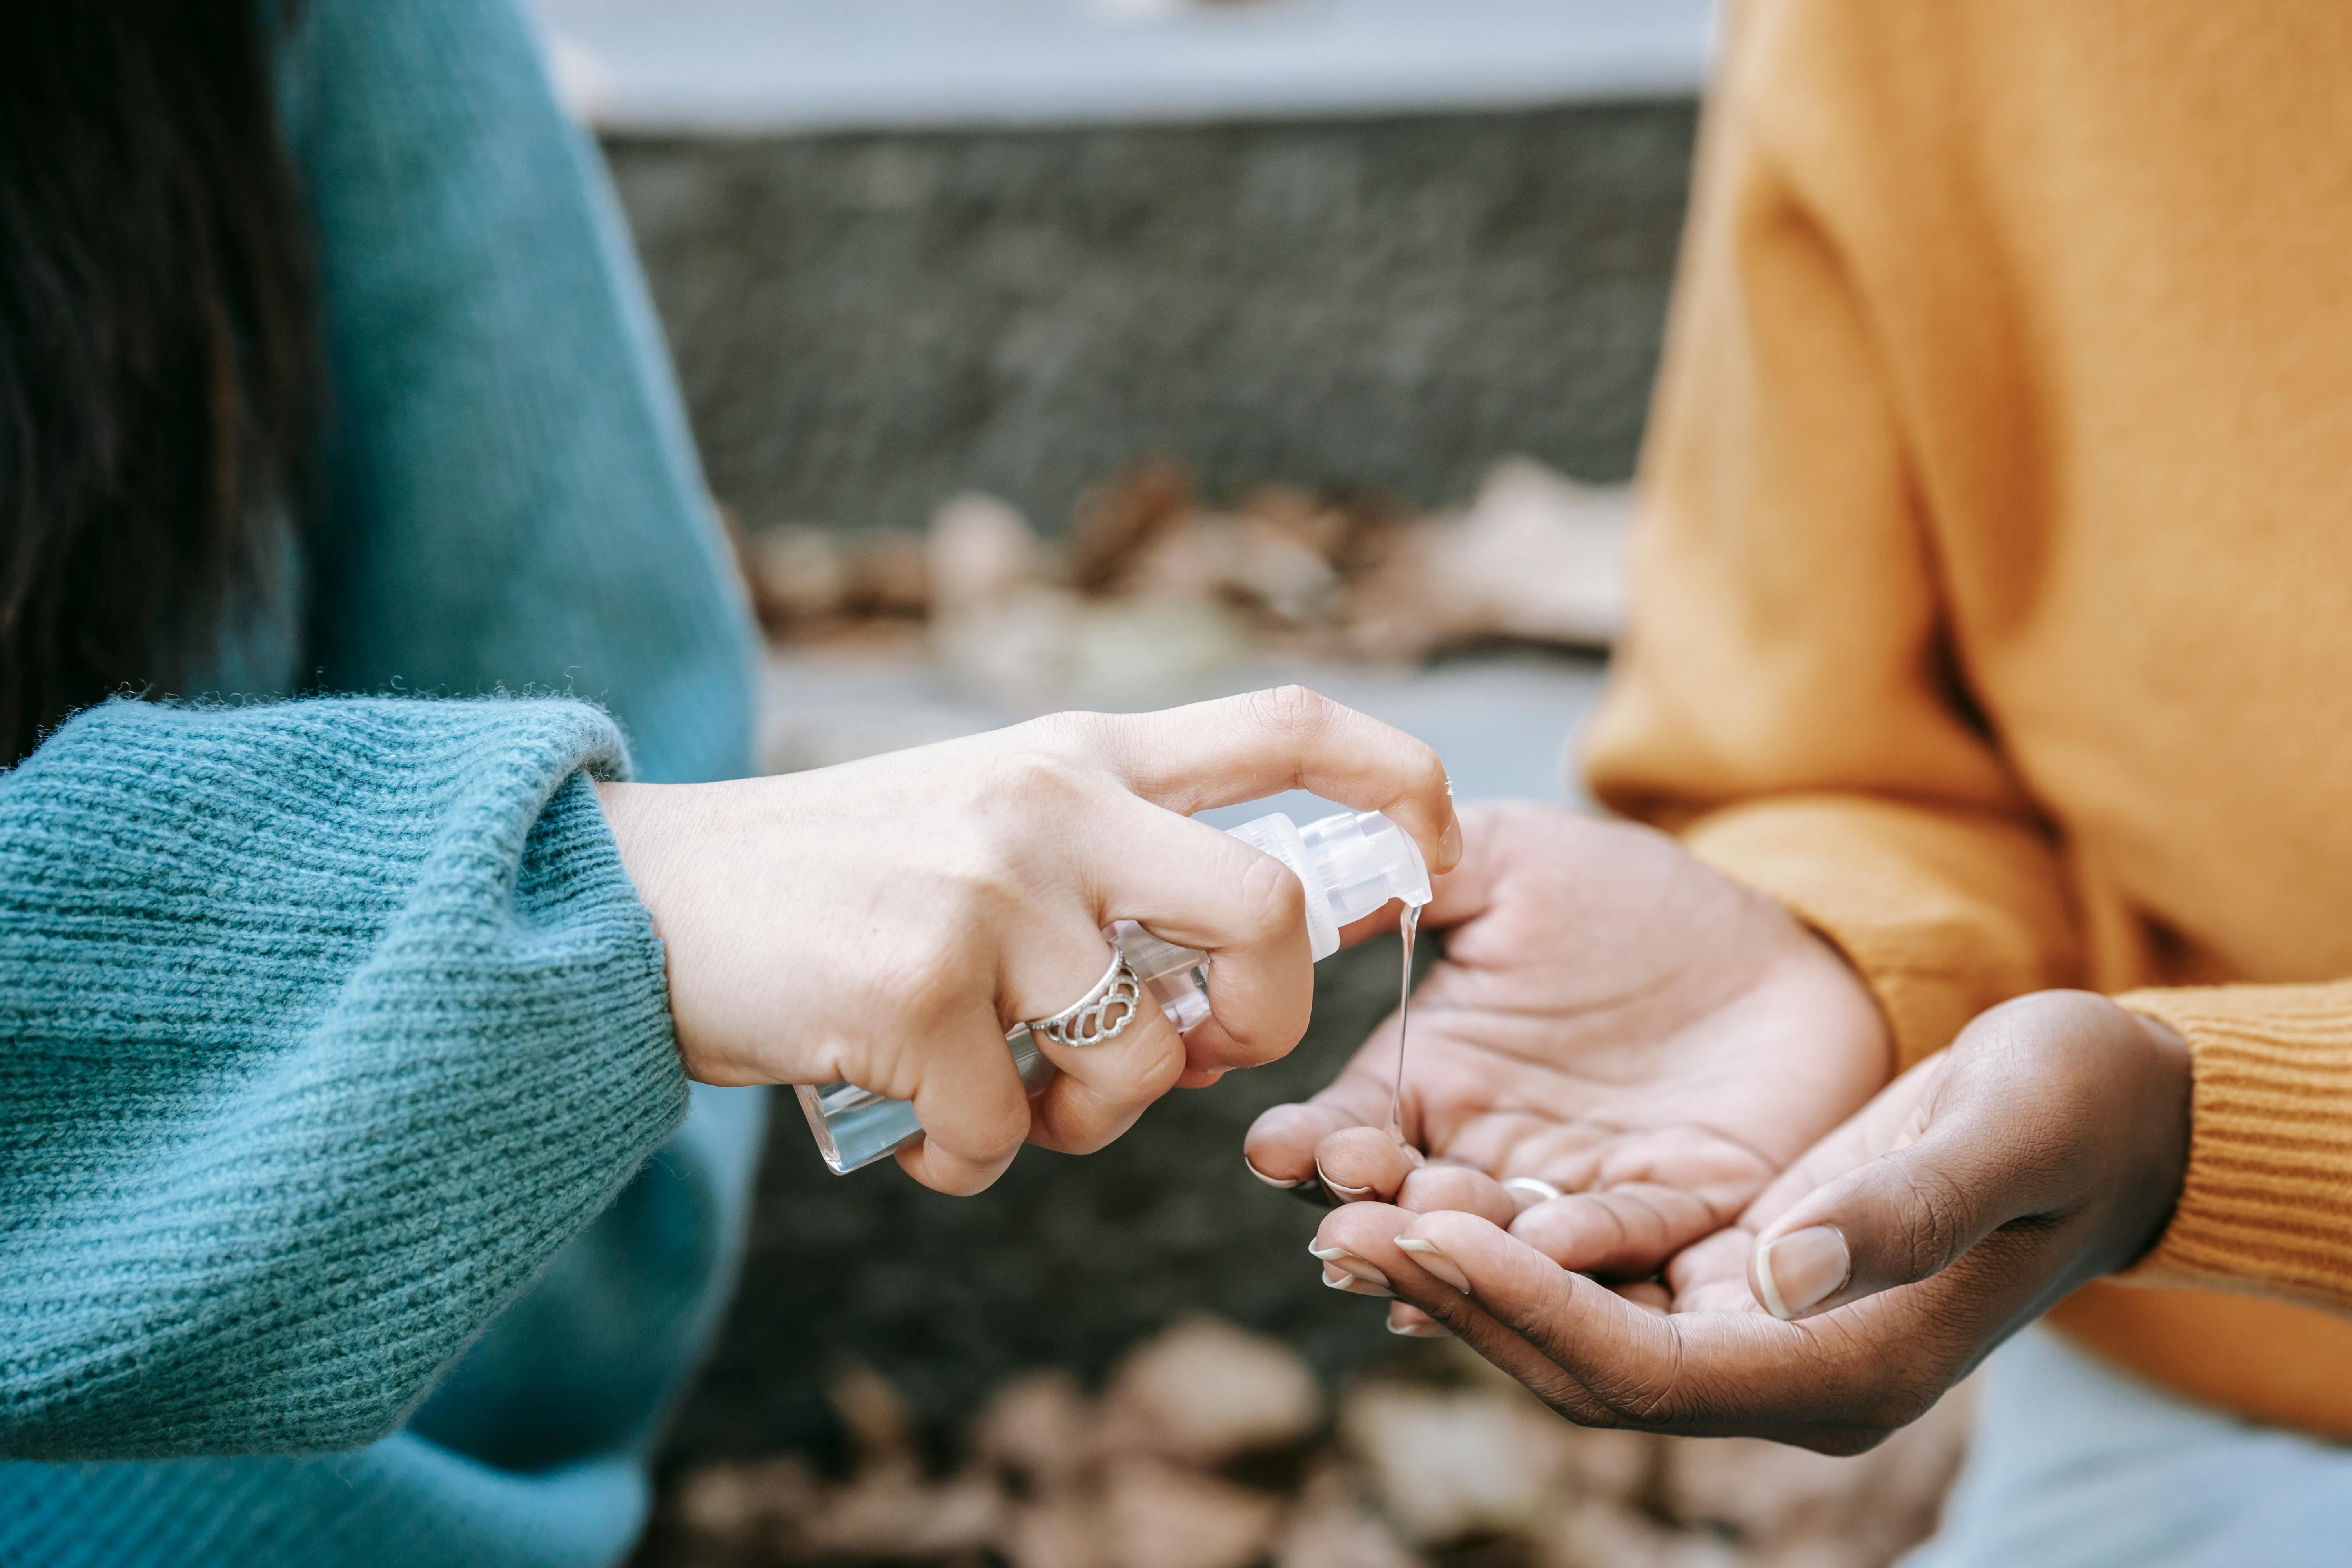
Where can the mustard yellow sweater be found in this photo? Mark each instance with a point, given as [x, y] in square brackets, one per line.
[1994, 591]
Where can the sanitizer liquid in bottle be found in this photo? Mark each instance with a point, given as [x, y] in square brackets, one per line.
[1351, 864]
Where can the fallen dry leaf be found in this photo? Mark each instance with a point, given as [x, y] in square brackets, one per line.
[1204, 1391]
[1163, 1516]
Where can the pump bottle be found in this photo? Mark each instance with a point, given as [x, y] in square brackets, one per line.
[1351, 864]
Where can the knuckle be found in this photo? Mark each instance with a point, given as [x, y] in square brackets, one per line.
[1002, 1135]
[1428, 767]
[1654, 1398]
[1938, 1221]
[984, 1135]
[1023, 804]
[1297, 713]
[987, 881]
[909, 1003]
[1077, 732]
[941, 987]
[1569, 1398]
[1642, 1403]
[1157, 1068]
[1035, 777]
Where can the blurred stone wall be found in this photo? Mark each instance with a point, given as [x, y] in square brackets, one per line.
[868, 323]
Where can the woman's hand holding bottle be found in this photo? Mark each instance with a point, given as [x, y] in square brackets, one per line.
[886, 920]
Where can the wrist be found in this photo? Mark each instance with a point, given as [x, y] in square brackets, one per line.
[2162, 1123]
[632, 813]
[1881, 1030]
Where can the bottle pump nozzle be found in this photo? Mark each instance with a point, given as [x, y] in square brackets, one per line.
[1351, 864]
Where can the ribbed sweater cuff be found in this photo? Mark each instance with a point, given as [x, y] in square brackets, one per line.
[329, 1023]
[2264, 1205]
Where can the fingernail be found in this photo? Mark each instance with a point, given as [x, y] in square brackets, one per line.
[1347, 1262]
[1526, 1191]
[1434, 1260]
[1449, 845]
[1426, 1331]
[1800, 1269]
[1269, 1181]
[1338, 1278]
[1345, 1192]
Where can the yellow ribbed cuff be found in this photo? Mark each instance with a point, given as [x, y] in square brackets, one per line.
[2267, 1202]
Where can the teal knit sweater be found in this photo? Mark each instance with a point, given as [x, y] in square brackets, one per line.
[334, 1044]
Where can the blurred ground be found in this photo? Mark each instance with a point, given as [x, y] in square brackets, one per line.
[1211, 1448]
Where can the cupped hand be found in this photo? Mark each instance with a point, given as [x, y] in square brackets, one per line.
[2045, 1148]
[1613, 1020]
[885, 921]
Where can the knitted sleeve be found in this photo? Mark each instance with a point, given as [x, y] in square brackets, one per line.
[322, 1026]
[2261, 1208]
[1788, 700]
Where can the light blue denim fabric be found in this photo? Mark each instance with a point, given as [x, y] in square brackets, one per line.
[2077, 1466]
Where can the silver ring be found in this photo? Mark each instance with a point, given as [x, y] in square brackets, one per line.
[1098, 1016]
[1529, 1190]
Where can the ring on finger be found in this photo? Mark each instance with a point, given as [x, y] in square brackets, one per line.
[1529, 1190]
[1102, 1014]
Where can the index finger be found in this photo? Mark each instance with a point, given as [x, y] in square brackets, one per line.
[1264, 743]
[1594, 1356]
[1836, 1383]
[1281, 1143]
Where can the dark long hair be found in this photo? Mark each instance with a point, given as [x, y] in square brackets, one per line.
[158, 346]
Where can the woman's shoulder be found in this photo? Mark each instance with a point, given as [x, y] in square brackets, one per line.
[390, 75]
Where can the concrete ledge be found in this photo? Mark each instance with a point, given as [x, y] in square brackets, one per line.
[762, 66]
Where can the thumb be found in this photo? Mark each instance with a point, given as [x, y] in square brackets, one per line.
[1899, 1219]
[2058, 1106]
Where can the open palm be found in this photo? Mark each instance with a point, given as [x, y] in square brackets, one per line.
[1612, 1019]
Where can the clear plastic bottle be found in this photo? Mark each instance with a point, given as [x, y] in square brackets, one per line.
[1351, 864]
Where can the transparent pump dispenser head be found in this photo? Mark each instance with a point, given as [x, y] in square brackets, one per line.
[1351, 864]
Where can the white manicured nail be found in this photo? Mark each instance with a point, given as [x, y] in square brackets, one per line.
[1270, 1181]
[1425, 1331]
[1432, 1258]
[1350, 1194]
[1337, 1277]
[1348, 1263]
